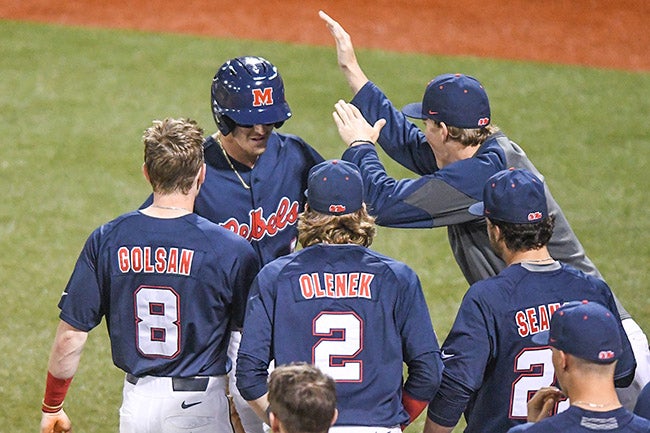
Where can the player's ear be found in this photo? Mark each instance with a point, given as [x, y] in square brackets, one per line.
[275, 422]
[201, 175]
[335, 417]
[563, 359]
[444, 131]
[145, 173]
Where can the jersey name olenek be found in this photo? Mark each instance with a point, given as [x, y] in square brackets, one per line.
[162, 260]
[258, 226]
[344, 285]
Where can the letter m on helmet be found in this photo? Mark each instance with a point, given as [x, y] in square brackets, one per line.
[262, 97]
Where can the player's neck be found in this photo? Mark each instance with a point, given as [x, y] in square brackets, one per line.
[234, 152]
[540, 257]
[170, 205]
[589, 390]
[596, 396]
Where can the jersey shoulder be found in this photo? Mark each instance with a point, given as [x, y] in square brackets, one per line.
[219, 235]
[294, 143]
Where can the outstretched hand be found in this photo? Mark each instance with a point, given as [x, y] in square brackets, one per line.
[347, 59]
[352, 126]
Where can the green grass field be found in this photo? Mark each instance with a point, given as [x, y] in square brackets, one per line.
[74, 103]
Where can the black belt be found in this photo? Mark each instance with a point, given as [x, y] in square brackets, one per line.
[179, 383]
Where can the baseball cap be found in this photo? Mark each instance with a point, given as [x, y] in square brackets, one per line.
[513, 196]
[334, 187]
[455, 99]
[584, 329]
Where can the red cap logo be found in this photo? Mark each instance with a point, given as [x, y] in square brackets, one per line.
[534, 216]
[336, 208]
[606, 354]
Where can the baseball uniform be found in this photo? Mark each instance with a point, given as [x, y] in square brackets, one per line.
[357, 315]
[267, 213]
[440, 197]
[492, 367]
[169, 289]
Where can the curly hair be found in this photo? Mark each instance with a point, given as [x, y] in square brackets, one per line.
[470, 136]
[354, 228]
[525, 237]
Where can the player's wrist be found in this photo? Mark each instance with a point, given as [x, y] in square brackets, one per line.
[55, 392]
[359, 141]
[51, 410]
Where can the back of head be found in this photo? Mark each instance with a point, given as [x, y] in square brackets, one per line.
[302, 398]
[335, 212]
[173, 154]
[248, 91]
[515, 200]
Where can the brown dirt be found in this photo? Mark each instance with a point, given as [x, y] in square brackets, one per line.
[595, 33]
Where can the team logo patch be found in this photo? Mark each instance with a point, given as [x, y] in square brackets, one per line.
[484, 121]
[534, 216]
[606, 354]
[262, 97]
[337, 208]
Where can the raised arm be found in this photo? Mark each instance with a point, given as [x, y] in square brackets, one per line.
[347, 60]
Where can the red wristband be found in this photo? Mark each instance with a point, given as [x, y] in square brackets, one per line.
[55, 391]
[413, 407]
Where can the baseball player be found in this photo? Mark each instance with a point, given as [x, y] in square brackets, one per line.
[492, 366]
[169, 283]
[585, 340]
[456, 152]
[301, 399]
[256, 176]
[354, 313]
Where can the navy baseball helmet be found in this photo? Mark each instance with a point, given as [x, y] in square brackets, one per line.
[248, 91]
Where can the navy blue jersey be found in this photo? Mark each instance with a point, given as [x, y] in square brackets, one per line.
[492, 367]
[169, 289]
[578, 420]
[356, 314]
[441, 196]
[267, 213]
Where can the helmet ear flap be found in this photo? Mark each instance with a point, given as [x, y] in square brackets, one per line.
[224, 123]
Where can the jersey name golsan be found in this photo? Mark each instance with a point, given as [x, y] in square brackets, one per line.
[258, 226]
[161, 260]
[535, 319]
[327, 285]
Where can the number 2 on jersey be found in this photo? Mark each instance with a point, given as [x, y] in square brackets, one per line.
[536, 368]
[341, 341]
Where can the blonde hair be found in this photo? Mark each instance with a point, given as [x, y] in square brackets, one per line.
[470, 136]
[354, 228]
[173, 154]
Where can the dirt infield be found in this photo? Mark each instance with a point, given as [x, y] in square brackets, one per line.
[595, 33]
